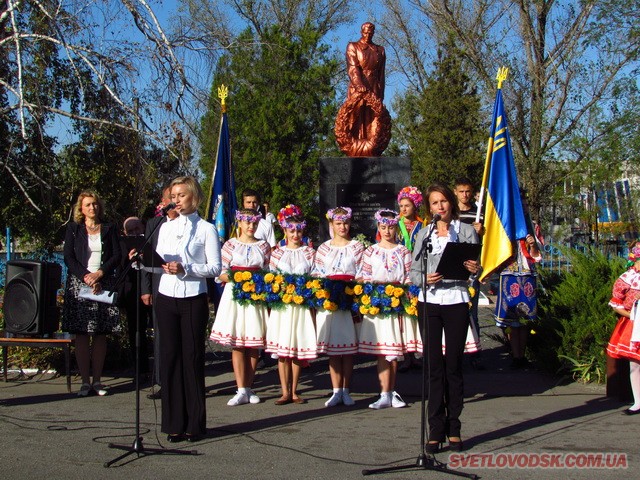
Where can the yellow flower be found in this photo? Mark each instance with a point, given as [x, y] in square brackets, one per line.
[315, 283]
[389, 289]
[286, 298]
[291, 288]
[363, 309]
[246, 275]
[268, 278]
[298, 299]
[248, 287]
[328, 305]
[357, 289]
[237, 277]
[374, 311]
[413, 311]
[279, 278]
[395, 302]
[414, 301]
[309, 284]
[365, 299]
[275, 288]
[348, 290]
[322, 294]
[397, 292]
[255, 297]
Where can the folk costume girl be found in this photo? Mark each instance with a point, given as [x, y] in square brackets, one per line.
[291, 334]
[409, 202]
[243, 327]
[385, 263]
[625, 339]
[338, 258]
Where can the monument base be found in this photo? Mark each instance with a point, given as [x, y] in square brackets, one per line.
[365, 184]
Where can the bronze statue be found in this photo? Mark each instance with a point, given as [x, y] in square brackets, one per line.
[363, 124]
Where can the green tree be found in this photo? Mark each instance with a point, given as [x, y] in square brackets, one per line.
[281, 110]
[439, 126]
[565, 59]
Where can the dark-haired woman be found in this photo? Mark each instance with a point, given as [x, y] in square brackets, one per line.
[447, 303]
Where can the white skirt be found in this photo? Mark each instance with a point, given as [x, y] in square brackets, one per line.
[291, 333]
[411, 337]
[336, 333]
[380, 335]
[239, 325]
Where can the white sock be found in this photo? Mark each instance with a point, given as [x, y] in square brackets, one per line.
[337, 390]
[634, 376]
[244, 390]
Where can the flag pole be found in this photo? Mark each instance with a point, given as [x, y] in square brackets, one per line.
[503, 72]
[223, 93]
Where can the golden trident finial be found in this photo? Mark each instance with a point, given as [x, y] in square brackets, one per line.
[223, 93]
[503, 72]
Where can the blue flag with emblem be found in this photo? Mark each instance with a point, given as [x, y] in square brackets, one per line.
[222, 204]
[504, 219]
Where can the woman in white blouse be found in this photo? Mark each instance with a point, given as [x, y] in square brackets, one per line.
[447, 310]
[191, 249]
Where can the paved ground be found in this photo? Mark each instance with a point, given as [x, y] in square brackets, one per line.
[45, 431]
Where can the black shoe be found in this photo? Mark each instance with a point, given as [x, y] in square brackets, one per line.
[432, 448]
[179, 437]
[155, 395]
[193, 438]
[456, 446]
[628, 411]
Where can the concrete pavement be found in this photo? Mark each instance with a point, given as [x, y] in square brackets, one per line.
[47, 432]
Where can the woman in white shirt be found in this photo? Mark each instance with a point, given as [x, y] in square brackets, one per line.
[191, 249]
[447, 311]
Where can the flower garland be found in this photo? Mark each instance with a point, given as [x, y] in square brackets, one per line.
[386, 299]
[276, 290]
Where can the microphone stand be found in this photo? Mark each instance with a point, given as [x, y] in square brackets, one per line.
[425, 461]
[137, 446]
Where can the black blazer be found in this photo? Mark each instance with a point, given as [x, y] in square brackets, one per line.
[76, 249]
[150, 281]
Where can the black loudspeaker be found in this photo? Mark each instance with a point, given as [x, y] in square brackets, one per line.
[30, 297]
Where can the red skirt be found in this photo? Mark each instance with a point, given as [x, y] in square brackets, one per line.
[620, 342]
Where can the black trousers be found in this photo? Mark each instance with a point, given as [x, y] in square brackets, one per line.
[131, 301]
[182, 323]
[446, 387]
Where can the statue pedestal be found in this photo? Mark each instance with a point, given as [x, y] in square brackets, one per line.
[365, 184]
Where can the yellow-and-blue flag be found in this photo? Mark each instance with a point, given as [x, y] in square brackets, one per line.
[504, 220]
[222, 205]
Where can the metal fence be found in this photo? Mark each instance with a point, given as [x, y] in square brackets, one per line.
[554, 258]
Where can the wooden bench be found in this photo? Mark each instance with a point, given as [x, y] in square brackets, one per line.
[63, 343]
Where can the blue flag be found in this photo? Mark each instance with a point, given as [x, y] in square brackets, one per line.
[222, 205]
[504, 219]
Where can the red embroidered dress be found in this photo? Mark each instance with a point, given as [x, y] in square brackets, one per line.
[626, 290]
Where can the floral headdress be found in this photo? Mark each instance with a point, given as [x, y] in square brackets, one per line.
[387, 220]
[413, 194]
[634, 253]
[340, 217]
[291, 211]
[246, 217]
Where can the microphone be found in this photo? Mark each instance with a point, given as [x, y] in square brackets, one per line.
[167, 207]
[435, 218]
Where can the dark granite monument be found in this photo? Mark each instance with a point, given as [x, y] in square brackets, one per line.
[363, 184]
